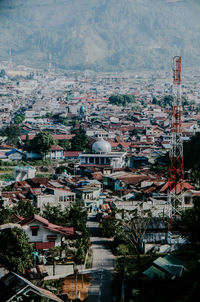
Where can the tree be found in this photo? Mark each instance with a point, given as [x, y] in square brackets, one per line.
[121, 100]
[155, 101]
[5, 213]
[12, 132]
[65, 144]
[191, 151]
[15, 251]
[42, 142]
[79, 142]
[167, 101]
[25, 209]
[190, 223]
[134, 132]
[19, 118]
[2, 73]
[133, 228]
[56, 215]
[48, 114]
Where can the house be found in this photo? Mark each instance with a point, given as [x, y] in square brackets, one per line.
[56, 152]
[15, 154]
[72, 154]
[89, 194]
[14, 287]
[138, 161]
[121, 180]
[22, 173]
[167, 267]
[43, 234]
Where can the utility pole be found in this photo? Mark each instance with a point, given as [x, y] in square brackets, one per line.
[75, 273]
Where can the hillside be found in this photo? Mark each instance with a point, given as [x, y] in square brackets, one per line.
[119, 34]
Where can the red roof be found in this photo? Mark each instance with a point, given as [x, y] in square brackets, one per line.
[93, 165]
[179, 186]
[67, 231]
[72, 153]
[56, 148]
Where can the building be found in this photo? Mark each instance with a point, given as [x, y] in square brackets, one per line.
[102, 156]
[43, 234]
[22, 173]
[15, 288]
[15, 154]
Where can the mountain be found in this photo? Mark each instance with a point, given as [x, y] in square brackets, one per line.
[117, 34]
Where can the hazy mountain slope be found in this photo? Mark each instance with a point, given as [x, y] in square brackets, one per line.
[119, 34]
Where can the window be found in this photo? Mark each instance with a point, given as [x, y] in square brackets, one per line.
[34, 229]
[60, 198]
[34, 232]
[187, 200]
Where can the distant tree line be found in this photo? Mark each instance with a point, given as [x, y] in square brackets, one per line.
[167, 101]
[122, 100]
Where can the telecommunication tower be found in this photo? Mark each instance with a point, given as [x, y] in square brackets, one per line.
[176, 166]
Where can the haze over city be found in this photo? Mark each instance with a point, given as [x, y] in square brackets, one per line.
[99, 150]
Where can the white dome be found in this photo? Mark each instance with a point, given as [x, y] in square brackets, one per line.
[101, 146]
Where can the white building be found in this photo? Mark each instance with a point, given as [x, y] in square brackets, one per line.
[22, 173]
[102, 156]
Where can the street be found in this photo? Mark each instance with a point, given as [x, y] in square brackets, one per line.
[102, 264]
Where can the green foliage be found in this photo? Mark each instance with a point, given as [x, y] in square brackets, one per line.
[80, 254]
[132, 228]
[64, 120]
[166, 101]
[56, 215]
[42, 143]
[155, 101]
[121, 100]
[65, 144]
[79, 142]
[19, 118]
[15, 251]
[5, 213]
[25, 209]
[190, 224]
[143, 20]
[48, 114]
[185, 101]
[108, 227]
[12, 132]
[2, 73]
[191, 151]
[122, 249]
[134, 132]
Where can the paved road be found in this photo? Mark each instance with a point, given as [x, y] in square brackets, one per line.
[103, 265]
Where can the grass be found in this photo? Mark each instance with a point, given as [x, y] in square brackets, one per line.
[88, 263]
[48, 175]
[6, 176]
[58, 283]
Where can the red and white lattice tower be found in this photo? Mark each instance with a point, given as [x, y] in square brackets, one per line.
[176, 168]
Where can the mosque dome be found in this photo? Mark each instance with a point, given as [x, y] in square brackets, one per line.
[101, 146]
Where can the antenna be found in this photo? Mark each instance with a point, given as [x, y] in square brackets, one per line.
[176, 166]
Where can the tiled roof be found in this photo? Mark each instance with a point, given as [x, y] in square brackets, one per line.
[56, 148]
[72, 153]
[67, 231]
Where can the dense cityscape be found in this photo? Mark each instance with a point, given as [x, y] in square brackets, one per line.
[99, 181]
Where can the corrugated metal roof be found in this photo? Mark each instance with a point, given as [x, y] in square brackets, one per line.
[153, 272]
